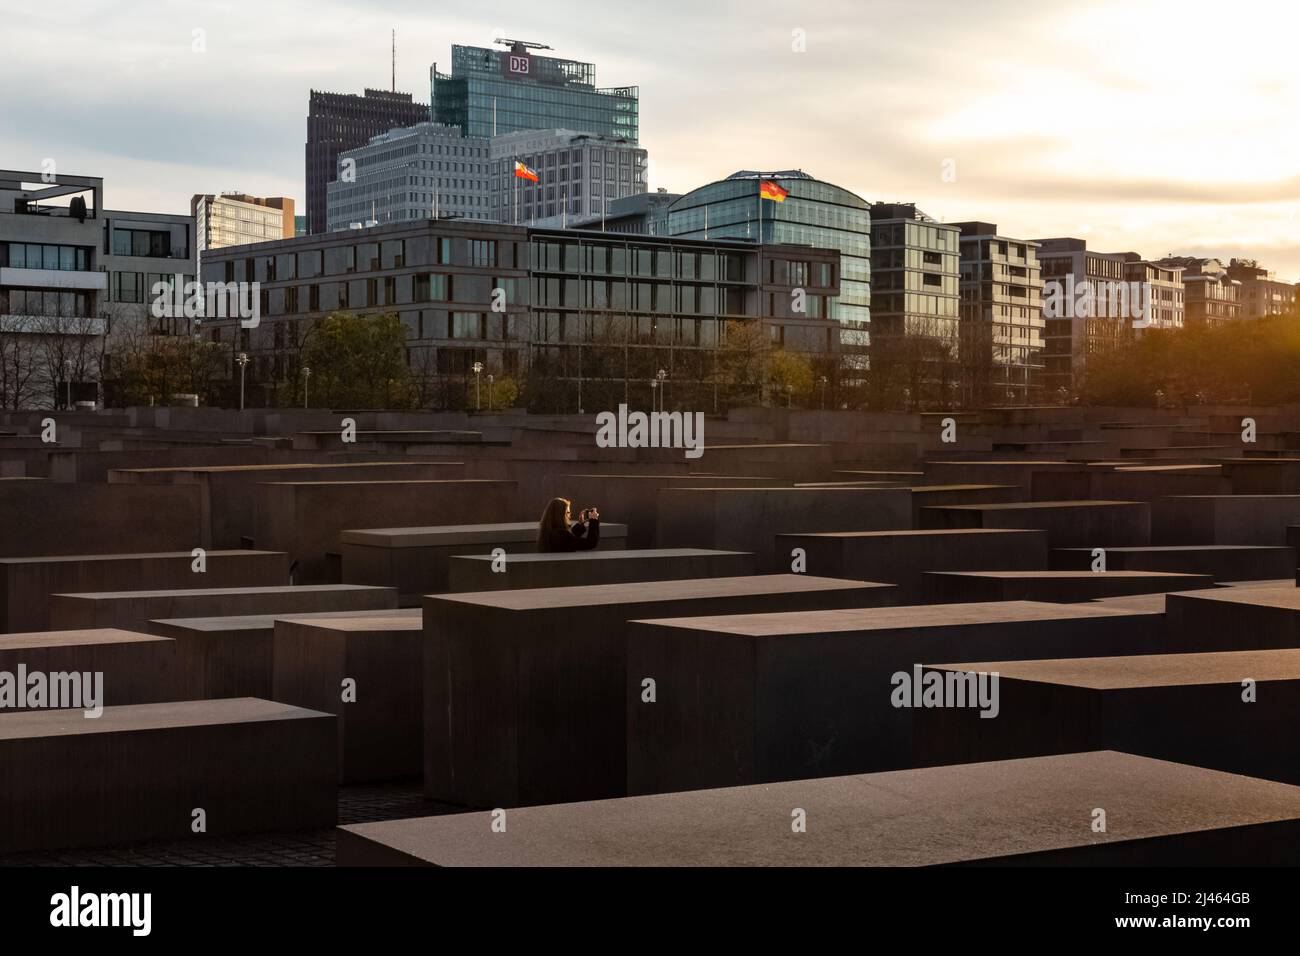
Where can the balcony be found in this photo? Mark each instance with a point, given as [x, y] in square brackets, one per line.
[54, 279]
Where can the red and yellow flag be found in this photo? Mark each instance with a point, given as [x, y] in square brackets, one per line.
[525, 172]
[768, 189]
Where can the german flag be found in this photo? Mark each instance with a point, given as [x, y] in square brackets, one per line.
[525, 172]
[768, 189]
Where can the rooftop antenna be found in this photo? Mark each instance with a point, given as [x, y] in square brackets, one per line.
[518, 45]
[394, 87]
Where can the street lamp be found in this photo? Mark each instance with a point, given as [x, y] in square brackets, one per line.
[243, 364]
[67, 376]
[491, 379]
[823, 379]
[789, 395]
[477, 368]
[654, 384]
[661, 375]
[306, 380]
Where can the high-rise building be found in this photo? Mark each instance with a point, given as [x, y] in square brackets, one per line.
[812, 213]
[236, 219]
[1213, 296]
[1001, 319]
[1262, 294]
[915, 276]
[490, 92]
[341, 121]
[409, 173]
[578, 175]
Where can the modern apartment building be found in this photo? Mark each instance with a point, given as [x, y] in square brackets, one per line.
[1262, 294]
[490, 92]
[343, 121]
[915, 278]
[1072, 331]
[1213, 295]
[1167, 294]
[813, 213]
[72, 274]
[592, 316]
[1001, 318]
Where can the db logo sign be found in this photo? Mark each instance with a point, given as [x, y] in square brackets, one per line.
[518, 64]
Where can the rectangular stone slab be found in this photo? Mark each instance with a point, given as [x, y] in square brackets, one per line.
[234, 656]
[1056, 586]
[27, 583]
[1224, 519]
[633, 499]
[136, 668]
[48, 517]
[524, 691]
[381, 725]
[1224, 562]
[1187, 708]
[1034, 811]
[305, 518]
[414, 560]
[1251, 618]
[902, 557]
[476, 572]
[748, 519]
[134, 609]
[1069, 524]
[138, 772]
[753, 698]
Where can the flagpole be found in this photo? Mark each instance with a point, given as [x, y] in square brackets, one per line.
[515, 171]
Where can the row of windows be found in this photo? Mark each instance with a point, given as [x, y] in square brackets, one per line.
[31, 255]
[46, 302]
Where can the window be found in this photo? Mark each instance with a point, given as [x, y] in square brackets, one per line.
[483, 253]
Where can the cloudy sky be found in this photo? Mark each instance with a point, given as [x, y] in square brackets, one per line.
[1147, 125]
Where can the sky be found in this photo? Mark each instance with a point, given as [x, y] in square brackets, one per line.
[1152, 126]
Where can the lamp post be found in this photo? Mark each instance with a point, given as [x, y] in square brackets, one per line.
[654, 384]
[67, 377]
[478, 370]
[491, 379]
[661, 375]
[306, 380]
[789, 395]
[823, 378]
[243, 364]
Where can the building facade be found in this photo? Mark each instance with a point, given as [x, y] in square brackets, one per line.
[411, 173]
[915, 325]
[1001, 319]
[813, 213]
[343, 121]
[579, 175]
[583, 313]
[1213, 296]
[237, 219]
[490, 92]
[72, 276]
[1261, 293]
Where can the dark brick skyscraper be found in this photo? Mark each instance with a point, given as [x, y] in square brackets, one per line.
[340, 121]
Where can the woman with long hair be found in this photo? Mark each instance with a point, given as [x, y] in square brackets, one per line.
[558, 532]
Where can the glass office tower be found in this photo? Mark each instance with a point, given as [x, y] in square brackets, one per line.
[813, 213]
[489, 92]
